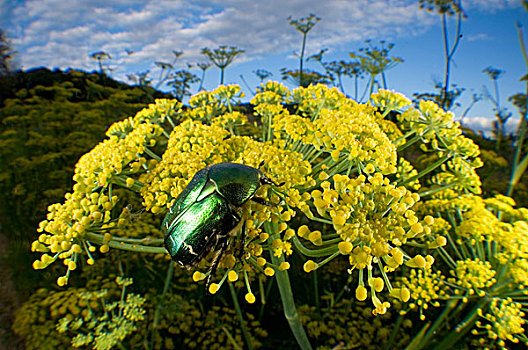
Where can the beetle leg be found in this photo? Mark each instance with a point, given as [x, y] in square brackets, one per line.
[221, 244]
[240, 250]
[263, 202]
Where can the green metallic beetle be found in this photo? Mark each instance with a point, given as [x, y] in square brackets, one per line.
[209, 210]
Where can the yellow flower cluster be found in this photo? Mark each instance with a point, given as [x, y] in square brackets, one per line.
[348, 324]
[438, 133]
[114, 323]
[503, 321]
[388, 100]
[206, 105]
[373, 220]
[186, 324]
[426, 288]
[87, 210]
[473, 276]
[349, 135]
[37, 319]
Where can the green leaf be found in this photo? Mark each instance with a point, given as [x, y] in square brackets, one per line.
[519, 171]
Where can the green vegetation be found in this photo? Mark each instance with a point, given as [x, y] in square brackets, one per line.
[394, 226]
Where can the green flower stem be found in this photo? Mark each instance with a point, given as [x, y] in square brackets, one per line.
[142, 241]
[231, 339]
[461, 329]
[437, 189]
[313, 253]
[240, 316]
[324, 221]
[408, 143]
[328, 259]
[265, 297]
[427, 170]
[171, 122]
[447, 258]
[395, 329]
[316, 290]
[342, 291]
[121, 181]
[152, 154]
[290, 311]
[99, 239]
[168, 278]
[451, 304]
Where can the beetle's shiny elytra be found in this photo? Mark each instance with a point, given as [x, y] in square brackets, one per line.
[206, 212]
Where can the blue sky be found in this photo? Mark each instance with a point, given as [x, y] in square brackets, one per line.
[63, 33]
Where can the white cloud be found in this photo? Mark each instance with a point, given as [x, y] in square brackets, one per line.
[153, 29]
[491, 5]
[485, 124]
[62, 33]
[478, 37]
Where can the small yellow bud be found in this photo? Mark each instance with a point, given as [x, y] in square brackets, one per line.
[441, 241]
[198, 276]
[250, 298]
[335, 155]
[90, 261]
[76, 248]
[303, 231]
[55, 247]
[369, 169]
[377, 283]
[417, 261]
[37, 265]
[286, 216]
[232, 276]
[315, 237]
[361, 293]
[130, 182]
[213, 288]
[284, 266]
[65, 245]
[269, 271]
[339, 220]
[417, 228]
[261, 261]
[104, 248]
[316, 193]
[72, 265]
[429, 220]
[61, 281]
[107, 237]
[289, 234]
[310, 265]
[345, 247]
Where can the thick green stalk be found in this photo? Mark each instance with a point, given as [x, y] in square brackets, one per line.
[395, 329]
[461, 329]
[240, 316]
[99, 239]
[168, 278]
[426, 170]
[451, 304]
[313, 253]
[301, 60]
[290, 311]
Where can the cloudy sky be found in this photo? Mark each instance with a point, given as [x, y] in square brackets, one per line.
[63, 34]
